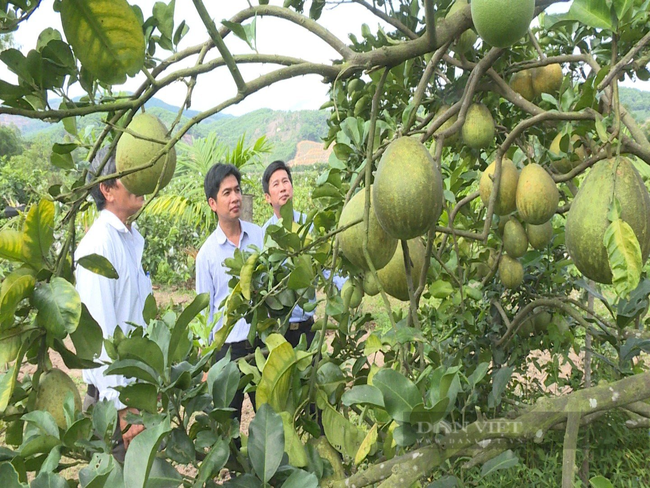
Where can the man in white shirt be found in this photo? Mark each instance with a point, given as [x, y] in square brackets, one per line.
[223, 192]
[113, 302]
[278, 190]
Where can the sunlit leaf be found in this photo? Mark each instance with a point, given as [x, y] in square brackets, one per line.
[141, 454]
[38, 233]
[98, 264]
[106, 37]
[624, 254]
[59, 307]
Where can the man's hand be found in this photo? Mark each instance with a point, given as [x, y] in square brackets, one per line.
[133, 429]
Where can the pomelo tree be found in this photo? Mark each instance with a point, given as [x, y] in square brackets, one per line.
[449, 379]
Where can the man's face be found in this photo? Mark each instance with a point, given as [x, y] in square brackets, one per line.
[121, 201]
[227, 205]
[280, 190]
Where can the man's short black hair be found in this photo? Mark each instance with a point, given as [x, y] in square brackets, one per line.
[216, 175]
[272, 168]
[109, 168]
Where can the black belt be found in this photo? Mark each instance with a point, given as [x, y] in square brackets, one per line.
[92, 391]
[302, 325]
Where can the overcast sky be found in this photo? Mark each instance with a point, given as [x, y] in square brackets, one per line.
[274, 36]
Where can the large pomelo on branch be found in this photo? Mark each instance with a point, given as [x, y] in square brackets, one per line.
[515, 241]
[381, 246]
[478, 129]
[393, 276]
[53, 388]
[522, 83]
[501, 23]
[547, 79]
[511, 272]
[407, 193]
[537, 195]
[539, 235]
[138, 150]
[587, 220]
[564, 165]
[505, 202]
[467, 39]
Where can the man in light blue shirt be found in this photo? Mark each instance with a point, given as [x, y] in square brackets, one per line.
[278, 190]
[223, 192]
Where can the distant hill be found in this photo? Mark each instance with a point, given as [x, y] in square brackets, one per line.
[637, 102]
[284, 130]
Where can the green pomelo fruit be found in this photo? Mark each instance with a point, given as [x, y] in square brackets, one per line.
[539, 235]
[381, 246]
[526, 328]
[53, 387]
[537, 195]
[393, 276]
[511, 272]
[505, 202]
[446, 125]
[133, 152]
[541, 320]
[407, 193]
[503, 220]
[478, 129]
[515, 241]
[501, 23]
[370, 285]
[587, 219]
[522, 83]
[352, 294]
[564, 165]
[467, 39]
[547, 79]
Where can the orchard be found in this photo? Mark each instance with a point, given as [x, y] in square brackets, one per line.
[485, 182]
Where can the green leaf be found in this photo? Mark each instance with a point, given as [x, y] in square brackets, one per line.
[266, 442]
[49, 480]
[141, 453]
[164, 15]
[106, 36]
[500, 380]
[180, 328]
[38, 233]
[293, 446]
[342, 434]
[15, 288]
[302, 275]
[478, 374]
[133, 368]
[225, 385]
[601, 129]
[180, 447]
[430, 416]
[246, 33]
[9, 477]
[363, 395]
[286, 213]
[141, 396]
[600, 482]
[401, 395]
[621, 7]
[63, 161]
[43, 421]
[11, 245]
[445, 482]
[100, 265]
[142, 349]
[624, 254]
[441, 289]
[150, 310]
[17, 63]
[504, 460]
[366, 445]
[330, 378]
[301, 479]
[104, 418]
[163, 475]
[274, 386]
[373, 345]
[95, 474]
[59, 307]
[213, 462]
[593, 13]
